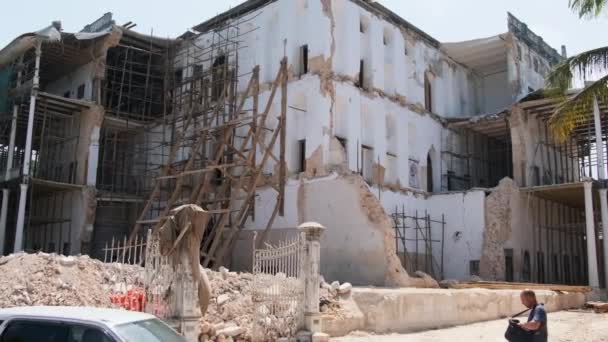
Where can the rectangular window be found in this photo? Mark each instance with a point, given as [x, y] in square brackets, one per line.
[197, 71]
[509, 264]
[303, 59]
[361, 74]
[80, 92]
[474, 268]
[67, 94]
[302, 155]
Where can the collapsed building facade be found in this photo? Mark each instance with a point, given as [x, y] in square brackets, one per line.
[416, 155]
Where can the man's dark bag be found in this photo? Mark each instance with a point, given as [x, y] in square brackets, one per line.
[515, 333]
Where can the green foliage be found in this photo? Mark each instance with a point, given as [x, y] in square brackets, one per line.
[576, 110]
[588, 8]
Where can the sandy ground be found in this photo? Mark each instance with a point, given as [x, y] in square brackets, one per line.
[575, 326]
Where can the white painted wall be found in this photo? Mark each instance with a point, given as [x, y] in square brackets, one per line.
[71, 82]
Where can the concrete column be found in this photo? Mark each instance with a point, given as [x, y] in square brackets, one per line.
[591, 252]
[604, 208]
[3, 215]
[9, 166]
[28, 154]
[310, 269]
[599, 146]
[18, 247]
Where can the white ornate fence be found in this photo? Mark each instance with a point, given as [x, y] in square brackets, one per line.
[122, 252]
[278, 287]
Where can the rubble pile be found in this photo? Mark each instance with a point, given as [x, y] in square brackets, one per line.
[232, 317]
[49, 279]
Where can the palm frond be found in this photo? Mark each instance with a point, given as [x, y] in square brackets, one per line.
[585, 65]
[578, 110]
[587, 8]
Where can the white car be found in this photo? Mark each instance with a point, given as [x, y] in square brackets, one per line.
[82, 324]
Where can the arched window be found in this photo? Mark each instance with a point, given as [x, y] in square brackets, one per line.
[429, 173]
[526, 272]
[428, 93]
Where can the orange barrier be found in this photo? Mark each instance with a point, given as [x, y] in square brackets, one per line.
[133, 300]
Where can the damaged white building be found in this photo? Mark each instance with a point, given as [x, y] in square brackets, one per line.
[416, 155]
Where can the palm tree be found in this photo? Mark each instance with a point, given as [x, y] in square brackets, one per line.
[587, 8]
[575, 110]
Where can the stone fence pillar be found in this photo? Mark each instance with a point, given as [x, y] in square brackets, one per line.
[310, 269]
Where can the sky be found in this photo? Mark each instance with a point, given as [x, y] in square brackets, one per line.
[445, 20]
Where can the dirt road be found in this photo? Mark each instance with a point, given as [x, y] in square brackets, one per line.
[571, 326]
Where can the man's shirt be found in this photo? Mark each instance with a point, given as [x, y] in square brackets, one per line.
[539, 314]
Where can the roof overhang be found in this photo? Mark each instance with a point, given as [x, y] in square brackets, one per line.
[486, 56]
[26, 41]
[492, 125]
[570, 194]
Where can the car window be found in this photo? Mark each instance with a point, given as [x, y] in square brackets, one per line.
[151, 330]
[34, 331]
[80, 333]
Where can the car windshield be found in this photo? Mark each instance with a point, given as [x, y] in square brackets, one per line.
[151, 330]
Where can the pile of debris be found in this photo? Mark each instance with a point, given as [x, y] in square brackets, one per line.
[231, 315]
[49, 279]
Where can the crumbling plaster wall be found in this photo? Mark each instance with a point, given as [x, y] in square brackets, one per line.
[464, 216]
[526, 68]
[397, 68]
[512, 221]
[532, 148]
[358, 245]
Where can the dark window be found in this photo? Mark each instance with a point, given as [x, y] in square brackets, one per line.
[302, 155]
[556, 268]
[79, 333]
[361, 75]
[429, 174]
[535, 175]
[474, 267]
[540, 267]
[66, 248]
[567, 276]
[361, 26]
[428, 94]
[219, 77]
[508, 264]
[51, 247]
[526, 272]
[178, 77]
[31, 331]
[67, 94]
[198, 70]
[80, 92]
[578, 272]
[343, 143]
[304, 59]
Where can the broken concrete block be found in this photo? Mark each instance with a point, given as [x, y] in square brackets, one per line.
[345, 288]
[231, 331]
[221, 299]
